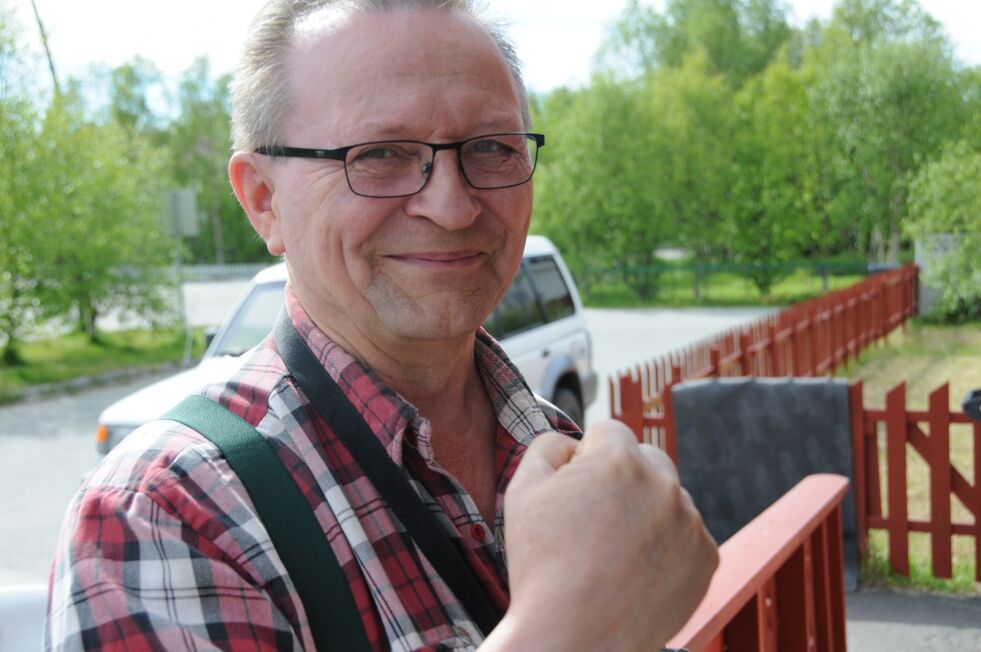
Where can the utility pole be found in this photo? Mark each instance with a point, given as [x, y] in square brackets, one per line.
[47, 50]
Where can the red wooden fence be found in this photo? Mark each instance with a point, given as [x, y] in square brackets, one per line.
[885, 436]
[779, 582]
[808, 339]
[902, 430]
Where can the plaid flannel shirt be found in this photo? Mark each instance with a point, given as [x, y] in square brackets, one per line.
[162, 548]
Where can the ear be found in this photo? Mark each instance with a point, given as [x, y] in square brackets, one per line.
[253, 183]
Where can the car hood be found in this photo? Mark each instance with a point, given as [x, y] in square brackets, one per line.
[153, 401]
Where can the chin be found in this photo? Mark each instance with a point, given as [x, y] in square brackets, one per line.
[448, 321]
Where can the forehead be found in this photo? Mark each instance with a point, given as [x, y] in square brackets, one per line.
[404, 73]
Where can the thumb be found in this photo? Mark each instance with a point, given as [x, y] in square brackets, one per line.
[605, 434]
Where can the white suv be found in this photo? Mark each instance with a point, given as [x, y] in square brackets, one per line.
[539, 322]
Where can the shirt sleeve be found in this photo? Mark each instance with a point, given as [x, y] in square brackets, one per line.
[160, 569]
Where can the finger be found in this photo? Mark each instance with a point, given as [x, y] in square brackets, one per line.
[604, 434]
[659, 460]
[546, 454]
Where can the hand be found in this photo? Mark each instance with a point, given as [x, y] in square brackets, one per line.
[605, 549]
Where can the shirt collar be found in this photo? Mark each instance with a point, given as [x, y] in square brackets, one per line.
[389, 415]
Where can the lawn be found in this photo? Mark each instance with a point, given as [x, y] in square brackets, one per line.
[925, 357]
[719, 288]
[72, 356]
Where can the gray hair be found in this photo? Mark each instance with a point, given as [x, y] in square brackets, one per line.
[261, 97]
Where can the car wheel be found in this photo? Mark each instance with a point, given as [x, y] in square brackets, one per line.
[566, 400]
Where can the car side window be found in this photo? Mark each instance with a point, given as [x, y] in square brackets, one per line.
[551, 287]
[517, 311]
[253, 320]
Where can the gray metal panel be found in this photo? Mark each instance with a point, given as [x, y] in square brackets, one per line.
[743, 443]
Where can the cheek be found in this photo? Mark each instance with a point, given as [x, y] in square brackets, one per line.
[514, 207]
[345, 239]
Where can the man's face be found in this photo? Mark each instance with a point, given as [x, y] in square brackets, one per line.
[430, 266]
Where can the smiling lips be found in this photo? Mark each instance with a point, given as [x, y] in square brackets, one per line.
[440, 260]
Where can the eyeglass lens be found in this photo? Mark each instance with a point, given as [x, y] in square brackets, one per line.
[397, 168]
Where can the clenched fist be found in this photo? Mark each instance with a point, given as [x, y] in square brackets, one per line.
[605, 549]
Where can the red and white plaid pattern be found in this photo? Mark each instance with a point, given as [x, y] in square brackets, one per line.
[162, 548]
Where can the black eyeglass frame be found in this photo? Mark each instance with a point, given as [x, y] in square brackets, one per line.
[340, 154]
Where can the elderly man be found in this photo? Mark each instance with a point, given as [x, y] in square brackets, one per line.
[382, 149]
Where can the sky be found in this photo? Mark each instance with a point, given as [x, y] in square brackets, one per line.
[556, 39]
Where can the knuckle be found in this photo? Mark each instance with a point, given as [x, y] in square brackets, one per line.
[628, 460]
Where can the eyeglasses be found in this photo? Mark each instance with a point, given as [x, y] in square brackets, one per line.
[399, 168]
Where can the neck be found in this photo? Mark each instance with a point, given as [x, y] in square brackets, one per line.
[440, 378]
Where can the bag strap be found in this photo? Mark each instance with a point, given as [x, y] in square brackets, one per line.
[335, 621]
[387, 477]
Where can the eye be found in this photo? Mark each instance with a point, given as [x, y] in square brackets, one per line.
[375, 153]
[489, 146]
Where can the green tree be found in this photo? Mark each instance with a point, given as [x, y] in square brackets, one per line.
[691, 164]
[775, 217]
[632, 166]
[739, 37]
[19, 273]
[200, 144]
[131, 88]
[591, 191]
[889, 86]
[101, 216]
[945, 209]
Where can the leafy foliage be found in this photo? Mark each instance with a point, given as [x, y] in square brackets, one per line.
[18, 167]
[199, 144]
[945, 212]
[711, 127]
[80, 209]
[752, 141]
[105, 247]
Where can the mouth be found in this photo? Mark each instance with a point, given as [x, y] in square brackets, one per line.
[440, 260]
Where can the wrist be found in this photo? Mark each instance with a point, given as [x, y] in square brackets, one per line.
[520, 631]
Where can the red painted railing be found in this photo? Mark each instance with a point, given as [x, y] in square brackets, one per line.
[808, 339]
[902, 429]
[779, 585]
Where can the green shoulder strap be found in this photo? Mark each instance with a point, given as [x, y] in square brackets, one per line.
[335, 621]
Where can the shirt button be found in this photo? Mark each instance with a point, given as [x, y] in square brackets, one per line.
[478, 531]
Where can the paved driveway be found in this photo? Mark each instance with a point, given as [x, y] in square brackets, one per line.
[623, 338]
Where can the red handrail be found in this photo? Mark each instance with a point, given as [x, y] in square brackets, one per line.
[779, 585]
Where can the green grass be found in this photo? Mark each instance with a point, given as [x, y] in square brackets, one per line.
[877, 572]
[676, 289]
[72, 356]
[925, 357]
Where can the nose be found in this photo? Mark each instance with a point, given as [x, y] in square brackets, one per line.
[447, 199]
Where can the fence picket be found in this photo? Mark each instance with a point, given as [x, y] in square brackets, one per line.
[745, 359]
[795, 604]
[859, 464]
[813, 343]
[836, 586]
[940, 472]
[822, 583]
[976, 506]
[632, 404]
[898, 521]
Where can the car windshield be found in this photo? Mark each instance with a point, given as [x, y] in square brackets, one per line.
[253, 320]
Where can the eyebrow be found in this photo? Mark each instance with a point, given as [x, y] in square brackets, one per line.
[399, 131]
